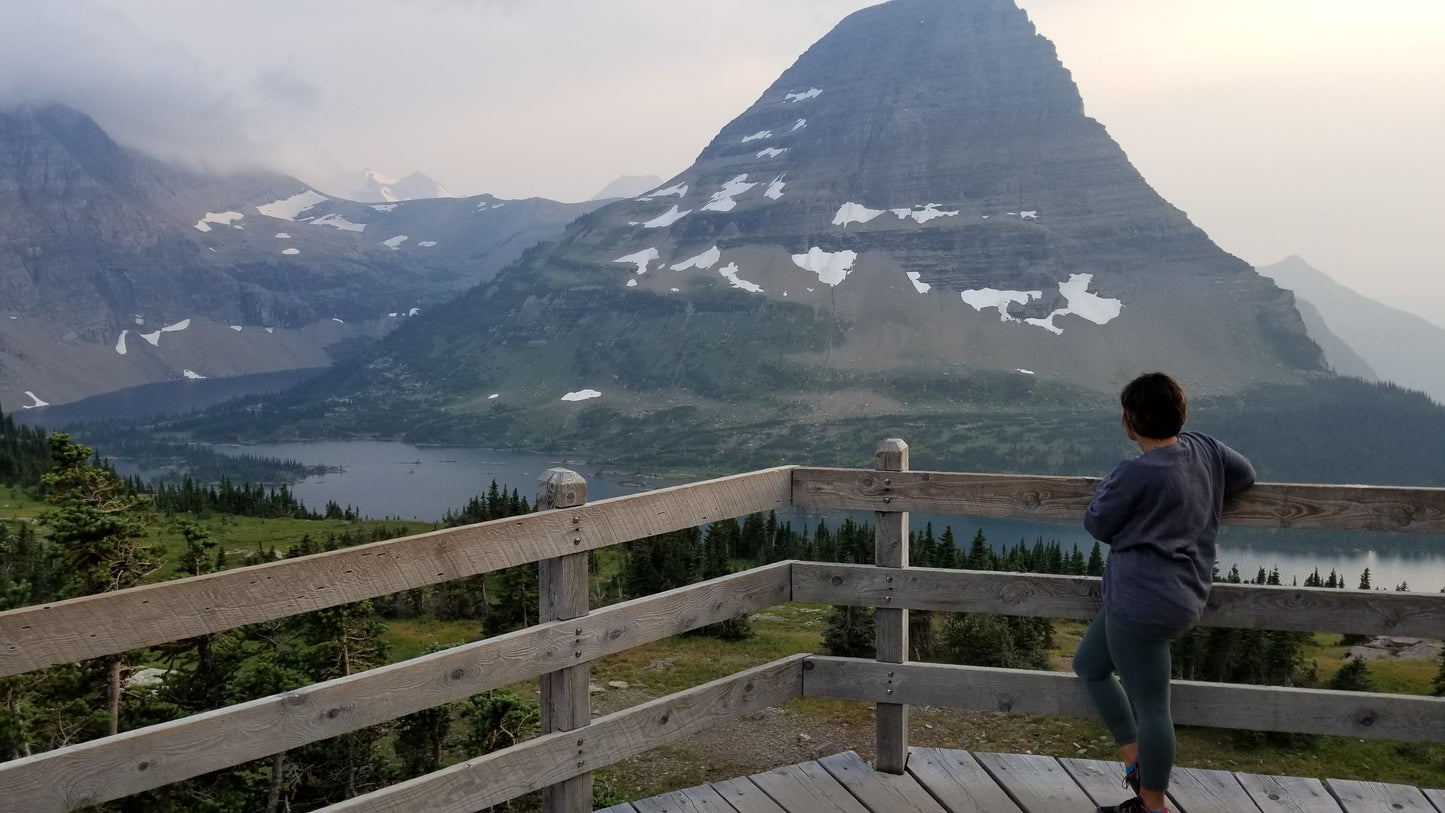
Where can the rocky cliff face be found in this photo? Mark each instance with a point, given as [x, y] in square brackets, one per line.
[102, 251]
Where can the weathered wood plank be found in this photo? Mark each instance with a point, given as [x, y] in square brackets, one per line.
[1039, 784]
[1267, 505]
[890, 554]
[562, 594]
[957, 780]
[1102, 780]
[1259, 708]
[1436, 797]
[1197, 790]
[701, 799]
[83, 628]
[550, 758]
[622, 808]
[745, 797]
[807, 787]
[879, 791]
[1305, 609]
[150, 757]
[1288, 793]
[1376, 797]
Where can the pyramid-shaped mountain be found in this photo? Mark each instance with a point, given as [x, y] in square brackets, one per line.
[916, 217]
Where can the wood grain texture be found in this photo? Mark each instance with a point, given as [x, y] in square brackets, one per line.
[807, 787]
[1102, 780]
[622, 808]
[1307, 609]
[958, 782]
[890, 624]
[701, 799]
[1221, 705]
[1039, 784]
[83, 628]
[147, 758]
[1436, 797]
[1197, 790]
[745, 797]
[550, 758]
[879, 790]
[1277, 794]
[1266, 505]
[562, 594]
[1377, 797]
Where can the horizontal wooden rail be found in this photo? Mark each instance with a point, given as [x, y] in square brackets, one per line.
[1219, 705]
[1265, 505]
[109, 768]
[64, 632]
[552, 758]
[1303, 609]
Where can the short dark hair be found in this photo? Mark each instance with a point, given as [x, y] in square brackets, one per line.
[1154, 406]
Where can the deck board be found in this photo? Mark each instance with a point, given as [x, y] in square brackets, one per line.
[957, 780]
[1039, 784]
[879, 791]
[951, 781]
[1368, 797]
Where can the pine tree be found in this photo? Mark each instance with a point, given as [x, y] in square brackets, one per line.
[1354, 676]
[849, 632]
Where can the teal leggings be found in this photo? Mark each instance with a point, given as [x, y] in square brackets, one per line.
[1127, 677]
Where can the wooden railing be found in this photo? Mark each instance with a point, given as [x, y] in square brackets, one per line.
[560, 761]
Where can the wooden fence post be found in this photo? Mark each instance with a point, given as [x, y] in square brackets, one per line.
[890, 546]
[562, 593]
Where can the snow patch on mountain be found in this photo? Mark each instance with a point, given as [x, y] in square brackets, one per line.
[120, 343]
[730, 272]
[854, 213]
[581, 395]
[703, 261]
[758, 135]
[921, 287]
[640, 259]
[289, 208]
[1095, 308]
[981, 298]
[667, 218]
[192, 375]
[798, 97]
[775, 189]
[394, 243]
[337, 221]
[923, 214]
[677, 189]
[222, 218]
[723, 199]
[772, 152]
[36, 399]
[801, 123]
[831, 268]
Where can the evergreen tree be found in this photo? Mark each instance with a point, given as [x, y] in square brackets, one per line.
[1365, 580]
[849, 632]
[980, 555]
[1096, 561]
[1354, 676]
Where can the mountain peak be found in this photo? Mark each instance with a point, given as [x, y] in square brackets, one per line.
[379, 188]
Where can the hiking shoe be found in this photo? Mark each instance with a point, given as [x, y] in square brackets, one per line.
[1131, 778]
[1130, 806]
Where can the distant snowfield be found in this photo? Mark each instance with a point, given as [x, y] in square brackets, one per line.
[640, 259]
[723, 199]
[831, 268]
[854, 213]
[192, 375]
[918, 285]
[120, 343]
[772, 152]
[923, 214]
[394, 243]
[1080, 302]
[427, 243]
[337, 221]
[289, 208]
[384, 207]
[36, 399]
[677, 189]
[758, 135]
[581, 395]
[775, 189]
[730, 271]
[798, 97]
[222, 218]
[290, 251]
[703, 261]
[667, 218]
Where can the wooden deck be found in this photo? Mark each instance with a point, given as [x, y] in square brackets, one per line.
[946, 781]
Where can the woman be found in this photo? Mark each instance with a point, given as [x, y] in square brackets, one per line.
[1158, 513]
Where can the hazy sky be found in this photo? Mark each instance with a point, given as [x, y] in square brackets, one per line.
[1310, 127]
